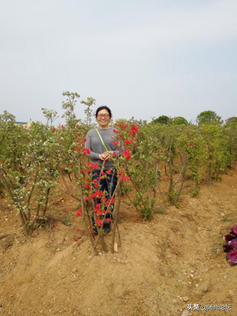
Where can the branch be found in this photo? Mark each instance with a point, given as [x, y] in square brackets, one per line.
[33, 186]
[83, 215]
[67, 187]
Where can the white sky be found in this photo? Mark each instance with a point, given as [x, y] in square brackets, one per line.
[142, 58]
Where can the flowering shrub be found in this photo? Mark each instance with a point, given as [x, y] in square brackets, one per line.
[187, 154]
[96, 207]
[144, 171]
[217, 155]
[28, 173]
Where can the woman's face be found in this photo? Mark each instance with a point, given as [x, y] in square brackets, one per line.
[103, 118]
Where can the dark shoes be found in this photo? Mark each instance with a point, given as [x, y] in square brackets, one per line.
[106, 227]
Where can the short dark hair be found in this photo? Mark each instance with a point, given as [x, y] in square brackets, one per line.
[103, 107]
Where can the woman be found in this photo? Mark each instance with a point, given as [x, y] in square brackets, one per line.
[101, 142]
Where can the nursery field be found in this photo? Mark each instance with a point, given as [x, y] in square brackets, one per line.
[174, 201]
[163, 267]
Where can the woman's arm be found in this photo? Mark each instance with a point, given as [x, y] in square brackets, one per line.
[92, 154]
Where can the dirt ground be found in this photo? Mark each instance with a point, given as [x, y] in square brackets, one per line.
[163, 267]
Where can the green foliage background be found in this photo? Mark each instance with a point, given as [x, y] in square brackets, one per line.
[168, 153]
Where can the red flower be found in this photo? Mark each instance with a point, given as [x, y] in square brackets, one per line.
[126, 153]
[71, 164]
[86, 151]
[79, 212]
[99, 222]
[125, 178]
[122, 172]
[95, 183]
[92, 165]
[115, 142]
[134, 129]
[54, 129]
[128, 142]
[123, 126]
[98, 194]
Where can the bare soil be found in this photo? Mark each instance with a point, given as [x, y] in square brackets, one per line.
[163, 265]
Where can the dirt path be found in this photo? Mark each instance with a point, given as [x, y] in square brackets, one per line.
[163, 266]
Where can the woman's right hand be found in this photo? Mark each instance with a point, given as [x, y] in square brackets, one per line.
[105, 155]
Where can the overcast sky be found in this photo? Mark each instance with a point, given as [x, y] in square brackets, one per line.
[142, 58]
